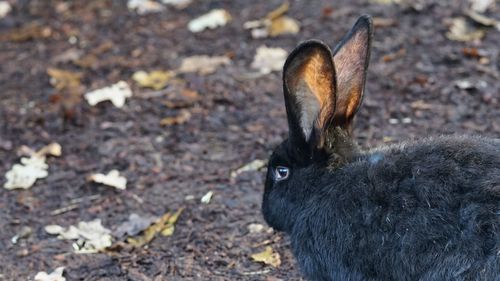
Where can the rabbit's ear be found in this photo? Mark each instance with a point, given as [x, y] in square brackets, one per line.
[351, 57]
[309, 87]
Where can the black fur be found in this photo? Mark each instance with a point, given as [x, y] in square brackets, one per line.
[426, 210]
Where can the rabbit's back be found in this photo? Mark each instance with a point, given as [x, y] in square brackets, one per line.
[428, 210]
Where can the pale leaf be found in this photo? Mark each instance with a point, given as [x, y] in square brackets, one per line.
[268, 257]
[267, 59]
[211, 20]
[112, 179]
[116, 93]
[56, 275]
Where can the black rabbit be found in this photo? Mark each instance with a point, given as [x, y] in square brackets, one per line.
[424, 210]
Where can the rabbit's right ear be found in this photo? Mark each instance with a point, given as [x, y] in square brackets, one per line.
[309, 87]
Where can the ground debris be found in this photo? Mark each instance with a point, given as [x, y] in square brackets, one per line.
[24, 175]
[165, 226]
[116, 93]
[267, 60]
[211, 20]
[56, 275]
[91, 236]
[275, 23]
[112, 179]
[267, 257]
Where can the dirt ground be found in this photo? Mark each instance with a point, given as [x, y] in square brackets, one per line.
[420, 83]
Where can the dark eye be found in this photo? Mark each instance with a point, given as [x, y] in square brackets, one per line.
[281, 173]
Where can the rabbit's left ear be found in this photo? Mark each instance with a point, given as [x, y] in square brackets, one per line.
[351, 58]
[309, 88]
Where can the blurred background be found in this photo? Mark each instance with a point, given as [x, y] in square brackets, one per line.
[184, 100]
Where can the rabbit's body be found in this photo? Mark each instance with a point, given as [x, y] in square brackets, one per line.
[416, 211]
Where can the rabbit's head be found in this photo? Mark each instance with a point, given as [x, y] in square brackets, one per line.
[323, 91]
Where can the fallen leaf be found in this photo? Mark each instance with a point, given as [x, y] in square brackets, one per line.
[207, 197]
[255, 228]
[63, 79]
[211, 20]
[112, 179]
[181, 99]
[181, 118]
[155, 79]
[252, 166]
[5, 8]
[268, 257]
[144, 6]
[462, 31]
[56, 275]
[27, 32]
[178, 4]
[481, 6]
[202, 64]
[134, 225]
[91, 237]
[116, 93]
[482, 19]
[275, 23]
[24, 175]
[25, 232]
[165, 226]
[267, 59]
[283, 25]
[384, 22]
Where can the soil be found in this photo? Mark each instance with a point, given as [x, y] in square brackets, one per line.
[411, 92]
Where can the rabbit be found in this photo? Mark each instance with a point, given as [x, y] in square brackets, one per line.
[427, 210]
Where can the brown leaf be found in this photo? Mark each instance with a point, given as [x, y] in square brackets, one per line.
[27, 32]
[181, 118]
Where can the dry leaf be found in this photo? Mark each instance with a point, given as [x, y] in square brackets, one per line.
[27, 32]
[91, 237]
[252, 166]
[255, 228]
[211, 20]
[268, 257]
[144, 6]
[384, 22]
[165, 226]
[181, 118]
[112, 179]
[283, 25]
[5, 8]
[116, 93]
[63, 79]
[181, 99]
[155, 79]
[481, 6]
[134, 225]
[56, 275]
[178, 4]
[462, 31]
[207, 197]
[202, 64]
[24, 175]
[267, 59]
[275, 23]
[482, 19]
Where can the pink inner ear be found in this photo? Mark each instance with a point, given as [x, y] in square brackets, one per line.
[350, 66]
[312, 82]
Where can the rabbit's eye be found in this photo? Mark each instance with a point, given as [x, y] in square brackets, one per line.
[281, 173]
